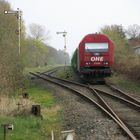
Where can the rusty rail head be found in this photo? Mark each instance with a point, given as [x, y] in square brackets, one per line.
[113, 113]
[123, 93]
[117, 97]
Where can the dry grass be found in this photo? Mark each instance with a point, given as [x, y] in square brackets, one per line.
[130, 66]
[8, 106]
[51, 111]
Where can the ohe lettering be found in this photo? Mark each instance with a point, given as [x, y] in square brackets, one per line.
[96, 58]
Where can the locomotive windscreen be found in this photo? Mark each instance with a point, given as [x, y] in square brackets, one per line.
[96, 47]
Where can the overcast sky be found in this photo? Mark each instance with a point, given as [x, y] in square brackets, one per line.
[77, 17]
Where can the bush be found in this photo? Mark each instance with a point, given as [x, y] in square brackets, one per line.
[129, 66]
[126, 62]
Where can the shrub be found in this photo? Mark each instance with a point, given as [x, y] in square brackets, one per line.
[126, 62]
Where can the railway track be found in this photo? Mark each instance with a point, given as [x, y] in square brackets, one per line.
[107, 102]
[126, 106]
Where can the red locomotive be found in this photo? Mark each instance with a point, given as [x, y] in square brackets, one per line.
[94, 56]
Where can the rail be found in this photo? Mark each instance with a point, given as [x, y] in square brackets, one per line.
[108, 110]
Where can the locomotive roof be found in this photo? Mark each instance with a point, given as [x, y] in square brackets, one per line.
[96, 37]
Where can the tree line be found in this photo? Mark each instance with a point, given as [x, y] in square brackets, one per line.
[37, 53]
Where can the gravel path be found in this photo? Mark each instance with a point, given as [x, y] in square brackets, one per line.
[88, 121]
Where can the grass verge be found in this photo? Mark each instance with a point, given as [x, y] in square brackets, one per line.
[28, 127]
[125, 83]
[40, 69]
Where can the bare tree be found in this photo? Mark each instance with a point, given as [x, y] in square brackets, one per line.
[133, 31]
[38, 32]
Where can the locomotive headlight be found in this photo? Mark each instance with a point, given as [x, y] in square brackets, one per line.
[96, 54]
[106, 63]
[88, 63]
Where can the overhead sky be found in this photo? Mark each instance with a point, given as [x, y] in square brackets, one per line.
[77, 17]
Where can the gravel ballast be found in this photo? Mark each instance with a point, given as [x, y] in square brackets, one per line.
[86, 119]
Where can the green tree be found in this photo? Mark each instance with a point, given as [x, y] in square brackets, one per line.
[34, 53]
[117, 35]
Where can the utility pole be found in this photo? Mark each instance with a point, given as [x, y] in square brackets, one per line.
[18, 14]
[64, 35]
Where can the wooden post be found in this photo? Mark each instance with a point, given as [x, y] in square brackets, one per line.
[25, 95]
[4, 126]
[36, 110]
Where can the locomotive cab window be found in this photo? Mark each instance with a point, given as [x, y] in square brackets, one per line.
[96, 47]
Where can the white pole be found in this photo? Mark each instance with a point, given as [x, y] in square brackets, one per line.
[64, 35]
[69, 137]
[52, 134]
[19, 29]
